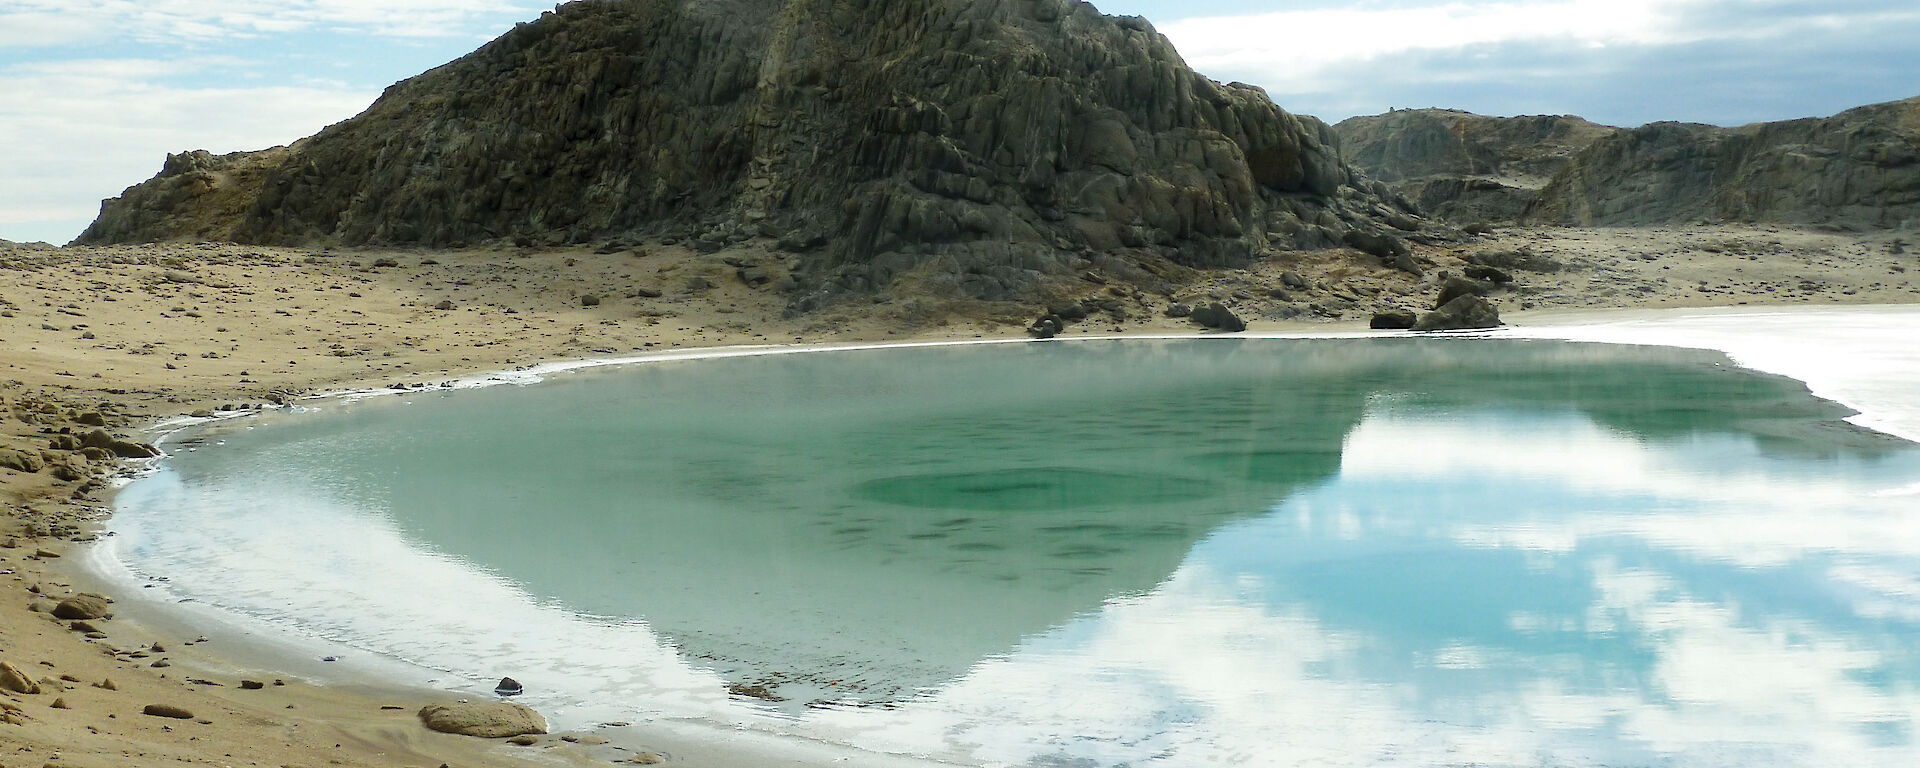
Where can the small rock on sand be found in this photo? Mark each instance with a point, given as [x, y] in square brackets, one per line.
[81, 607]
[167, 710]
[12, 679]
[485, 719]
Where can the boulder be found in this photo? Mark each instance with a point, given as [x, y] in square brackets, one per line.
[1393, 320]
[484, 719]
[1046, 327]
[1219, 318]
[20, 461]
[12, 679]
[1455, 287]
[1464, 312]
[168, 711]
[81, 607]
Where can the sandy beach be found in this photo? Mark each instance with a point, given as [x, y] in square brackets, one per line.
[123, 338]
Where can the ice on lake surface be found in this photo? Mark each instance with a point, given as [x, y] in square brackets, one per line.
[1259, 552]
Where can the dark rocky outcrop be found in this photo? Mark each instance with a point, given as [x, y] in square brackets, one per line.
[1461, 313]
[1393, 320]
[1219, 317]
[1462, 166]
[1859, 169]
[1455, 287]
[977, 147]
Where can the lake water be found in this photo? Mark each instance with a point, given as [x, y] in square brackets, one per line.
[1178, 553]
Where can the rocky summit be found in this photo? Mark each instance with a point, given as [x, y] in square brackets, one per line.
[1857, 170]
[980, 148]
[1462, 166]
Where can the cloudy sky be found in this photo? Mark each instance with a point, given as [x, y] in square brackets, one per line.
[94, 93]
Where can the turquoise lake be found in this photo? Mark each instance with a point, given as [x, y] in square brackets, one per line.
[1104, 553]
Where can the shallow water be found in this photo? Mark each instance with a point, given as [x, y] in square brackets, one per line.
[1338, 552]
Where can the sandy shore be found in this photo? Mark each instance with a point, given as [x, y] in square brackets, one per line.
[121, 338]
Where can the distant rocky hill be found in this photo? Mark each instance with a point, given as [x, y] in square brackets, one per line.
[1859, 169]
[981, 147]
[1462, 166]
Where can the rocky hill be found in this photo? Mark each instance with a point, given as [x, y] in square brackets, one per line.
[980, 147]
[1859, 169]
[1462, 166]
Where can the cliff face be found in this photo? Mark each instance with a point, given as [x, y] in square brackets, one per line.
[989, 143]
[1859, 169]
[1463, 166]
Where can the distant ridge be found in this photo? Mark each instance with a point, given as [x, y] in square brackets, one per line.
[1462, 166]
[984, 147]
[1857, 170]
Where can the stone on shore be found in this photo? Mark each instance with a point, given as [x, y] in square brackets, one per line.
[1462, 313]
[484, 719]
[1455, 287]
[1393, 320]
[12, 679]
[20, 461]
[1218, 317]
[167, 710]
[81, 607]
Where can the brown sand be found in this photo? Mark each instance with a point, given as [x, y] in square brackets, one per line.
[126, 336]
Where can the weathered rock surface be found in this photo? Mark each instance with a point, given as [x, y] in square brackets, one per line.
[1859, 169]
[1393, 320]
[20, 461]
[1461, 313]
[12, 679]
[485, 719]
[1462, 166]
[1219, 318]
[980, 148]
[168, 711]
[82, 607]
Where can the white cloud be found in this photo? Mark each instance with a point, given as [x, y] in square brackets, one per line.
[1556, 54]
[80, 131]
[62, 22]
[1296, 47]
